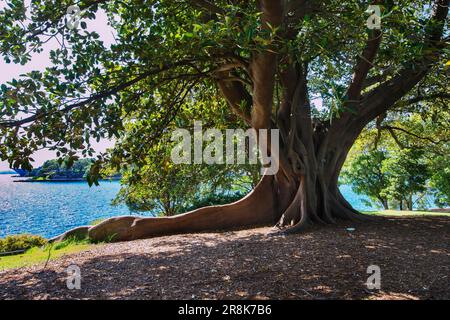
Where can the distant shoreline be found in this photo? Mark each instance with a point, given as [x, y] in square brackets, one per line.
[62, 180]
[28, 179]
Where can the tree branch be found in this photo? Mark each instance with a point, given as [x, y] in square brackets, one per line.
[364, 64]
[208, 6]
[295, 12]
[54, 19]
[392, 128]
[101, 95]
[263, 67]
[237, 97]
[431, 97]
[383, 97]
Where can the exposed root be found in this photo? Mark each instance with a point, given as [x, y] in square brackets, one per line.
[296, 216]
[292, 215]
[256, 209]
[344, 212]
[262, 207]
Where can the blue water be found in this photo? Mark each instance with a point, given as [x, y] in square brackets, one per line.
[49, 209]
[359, 202]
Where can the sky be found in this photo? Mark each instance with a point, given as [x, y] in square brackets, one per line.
[40, 62]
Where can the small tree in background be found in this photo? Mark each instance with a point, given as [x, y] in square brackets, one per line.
[440, 180]
[406, 175]
[365, 176]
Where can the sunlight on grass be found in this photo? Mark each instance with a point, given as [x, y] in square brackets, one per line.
[396, 213]
[97, 221]
[40, 255]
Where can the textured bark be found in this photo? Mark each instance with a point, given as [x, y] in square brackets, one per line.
[312, 152]
[255, 209]
[291, 202]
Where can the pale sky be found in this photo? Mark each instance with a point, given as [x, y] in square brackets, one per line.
[40, 62]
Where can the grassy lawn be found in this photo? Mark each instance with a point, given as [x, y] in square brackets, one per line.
[396, 213]
[40, 255]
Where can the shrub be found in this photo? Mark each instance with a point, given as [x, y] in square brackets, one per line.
[21, 242]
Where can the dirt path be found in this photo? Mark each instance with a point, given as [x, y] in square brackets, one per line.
[331, 262]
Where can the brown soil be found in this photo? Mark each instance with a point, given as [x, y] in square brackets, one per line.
[325, 263]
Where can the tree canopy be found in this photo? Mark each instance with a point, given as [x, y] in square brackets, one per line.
[312, 69]
[167, 49]
[403, 154]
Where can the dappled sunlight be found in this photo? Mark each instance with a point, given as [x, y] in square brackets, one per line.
[255, 264]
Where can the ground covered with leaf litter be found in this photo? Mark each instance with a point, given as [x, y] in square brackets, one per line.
[325, 263]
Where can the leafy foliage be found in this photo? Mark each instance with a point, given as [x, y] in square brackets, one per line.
[53, 169]
[162, 51]
[440, 180]
[21, 242]
[365, 175]
[166, 68]
[166, 188]
[405, 154]
[215, 199]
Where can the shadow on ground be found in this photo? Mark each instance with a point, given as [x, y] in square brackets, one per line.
[327, 263]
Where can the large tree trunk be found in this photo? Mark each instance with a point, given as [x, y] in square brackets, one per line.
[296, 197]
[312, 153]
[291, 205]
[304, 191]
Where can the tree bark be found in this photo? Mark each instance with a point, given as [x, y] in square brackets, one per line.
[384, 202]
[304, 192]
[312, 152]
[290, 205]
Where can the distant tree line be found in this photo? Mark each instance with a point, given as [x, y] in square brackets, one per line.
[62, 170]
[403, 161]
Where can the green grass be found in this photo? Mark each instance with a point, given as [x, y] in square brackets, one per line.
[97, 221]
[39, 255]
[396, 213]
